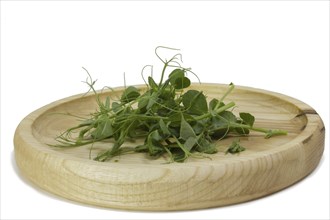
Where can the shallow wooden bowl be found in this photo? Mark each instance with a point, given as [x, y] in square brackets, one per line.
[136, 182]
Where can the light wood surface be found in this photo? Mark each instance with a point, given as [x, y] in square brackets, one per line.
[139, 183]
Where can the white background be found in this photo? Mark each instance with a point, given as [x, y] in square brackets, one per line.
[281, 46]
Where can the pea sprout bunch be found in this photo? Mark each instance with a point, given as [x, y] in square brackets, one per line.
[174, 121]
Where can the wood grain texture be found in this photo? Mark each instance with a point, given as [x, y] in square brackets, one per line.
[139, 183]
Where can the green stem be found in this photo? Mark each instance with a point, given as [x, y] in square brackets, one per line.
[219, 110]
[162, 76]
[231, 87]
[140, 116]
[268, 132]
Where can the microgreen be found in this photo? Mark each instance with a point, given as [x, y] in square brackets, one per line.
[174, 121]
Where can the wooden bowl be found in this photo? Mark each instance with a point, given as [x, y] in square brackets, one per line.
[136, 182]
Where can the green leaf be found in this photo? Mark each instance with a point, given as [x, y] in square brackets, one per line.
[164, 128]
[178, 79]
[107, 103]
[228, 116]
[175, 74]
[205, 146]
[132, 130]
[186, 131]
[190, 143]
[143, 102]
[155, 148]
[223, 119]
[152, 100]
[235, 147]
[116, 107]
[175, 119]
[200, 126]
[220, 124]
[195, 102]
[213, 103]
[152, 83]
[103, 129]
[241, 130]
[179, 155]
[247, 118]
[167, 93]
[181, 83]
[130, 94]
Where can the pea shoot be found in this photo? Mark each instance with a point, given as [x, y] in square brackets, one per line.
[173, 120]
